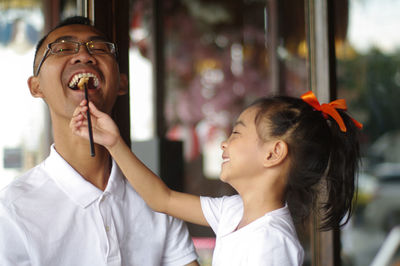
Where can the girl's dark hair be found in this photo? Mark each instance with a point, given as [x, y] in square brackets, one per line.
[322, 157]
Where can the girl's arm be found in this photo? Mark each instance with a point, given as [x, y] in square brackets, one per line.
[150, 187]
[153, 190]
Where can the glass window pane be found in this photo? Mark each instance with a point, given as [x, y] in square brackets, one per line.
[141, 72]
[24, 131]
[216, 63]
[368, 78]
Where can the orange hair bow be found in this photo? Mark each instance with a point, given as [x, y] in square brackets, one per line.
[329, 109]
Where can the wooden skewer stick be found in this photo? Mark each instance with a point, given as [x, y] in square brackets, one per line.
[83, 86]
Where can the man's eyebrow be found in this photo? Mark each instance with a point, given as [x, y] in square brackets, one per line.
[72, 38]
[98, 38]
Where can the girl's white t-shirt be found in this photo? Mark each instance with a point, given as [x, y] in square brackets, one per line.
[270, 240]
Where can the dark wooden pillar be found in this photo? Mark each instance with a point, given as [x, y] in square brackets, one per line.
[112, 17]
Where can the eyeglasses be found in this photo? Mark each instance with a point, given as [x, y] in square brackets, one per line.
[72, 47]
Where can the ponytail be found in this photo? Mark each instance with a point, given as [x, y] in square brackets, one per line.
[341, 177]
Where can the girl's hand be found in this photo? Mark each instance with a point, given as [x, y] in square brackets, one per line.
[105, 131]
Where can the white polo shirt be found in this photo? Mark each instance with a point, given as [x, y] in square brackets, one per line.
[51, 216]
[271, 240]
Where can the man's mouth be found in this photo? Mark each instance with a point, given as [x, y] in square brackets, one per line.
[93, 82]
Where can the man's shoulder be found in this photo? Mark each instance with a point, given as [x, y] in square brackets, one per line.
[23, 185]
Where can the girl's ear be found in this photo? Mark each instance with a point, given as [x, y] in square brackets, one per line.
[277, 152]
[123, 84]
[34, 87]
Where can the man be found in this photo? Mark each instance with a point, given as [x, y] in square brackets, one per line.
[74, 209]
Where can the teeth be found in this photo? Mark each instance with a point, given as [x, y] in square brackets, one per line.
[225, 160]
[74, 81]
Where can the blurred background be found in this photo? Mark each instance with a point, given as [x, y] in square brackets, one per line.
[195, 64]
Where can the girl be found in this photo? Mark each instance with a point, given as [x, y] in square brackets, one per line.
[281, 149]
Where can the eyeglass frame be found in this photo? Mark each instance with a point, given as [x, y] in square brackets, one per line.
[49, 50]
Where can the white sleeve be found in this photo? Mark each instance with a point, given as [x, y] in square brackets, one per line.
[179, 249]
[12, 241]
[212, 209]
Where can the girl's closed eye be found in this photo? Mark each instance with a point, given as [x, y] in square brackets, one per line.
[235, 132]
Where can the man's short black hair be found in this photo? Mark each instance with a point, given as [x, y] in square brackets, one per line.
[68, 21]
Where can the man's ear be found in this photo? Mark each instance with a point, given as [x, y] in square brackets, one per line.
[276, 153]
[123, 84]
[34, 87]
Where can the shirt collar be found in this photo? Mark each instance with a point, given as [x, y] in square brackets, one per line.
[116, 182]
[75, 186]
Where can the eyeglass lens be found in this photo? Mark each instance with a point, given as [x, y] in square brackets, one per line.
[73, 47]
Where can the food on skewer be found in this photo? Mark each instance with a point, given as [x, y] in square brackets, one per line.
[82, 82]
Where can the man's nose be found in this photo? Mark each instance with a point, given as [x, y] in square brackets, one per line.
[83, 56]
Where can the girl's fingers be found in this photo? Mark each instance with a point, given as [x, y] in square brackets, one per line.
[94, 110]
[79, 110]
[78, 121]
[76, 111]
[78, 117]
